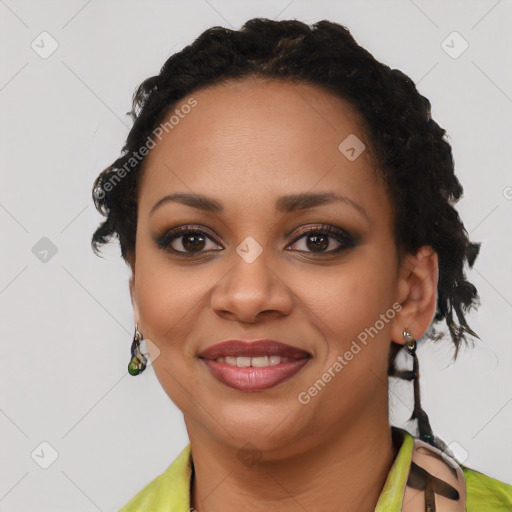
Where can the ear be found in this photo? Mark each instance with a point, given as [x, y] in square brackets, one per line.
[417, 293]
[133, 292]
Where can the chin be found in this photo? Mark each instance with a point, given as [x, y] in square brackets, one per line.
[267, 430]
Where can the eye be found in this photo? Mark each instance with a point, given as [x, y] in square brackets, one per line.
[190, 241]
[318, 239]
[186, 241]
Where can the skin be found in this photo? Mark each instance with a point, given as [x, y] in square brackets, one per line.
[246, 144]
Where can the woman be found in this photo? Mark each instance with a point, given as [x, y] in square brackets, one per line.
[284, 202]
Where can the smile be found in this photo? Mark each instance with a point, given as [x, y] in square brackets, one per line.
[250, 376]
[253, 365]
[258, 362]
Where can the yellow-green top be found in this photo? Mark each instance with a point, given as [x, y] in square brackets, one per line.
[170, 491]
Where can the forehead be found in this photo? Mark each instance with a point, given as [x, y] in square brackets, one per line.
[257, 139]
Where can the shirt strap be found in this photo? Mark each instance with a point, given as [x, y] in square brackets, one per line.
[435, 483]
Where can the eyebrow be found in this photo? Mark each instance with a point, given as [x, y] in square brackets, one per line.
[285, 204]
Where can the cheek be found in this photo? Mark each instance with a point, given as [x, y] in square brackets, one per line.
[350, 299]
[348, 314]
[168, 305]
[166, 299]
[161, 294]
[352, 310]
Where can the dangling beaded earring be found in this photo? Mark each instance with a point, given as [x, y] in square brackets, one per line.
[138, 361]
[425, 430]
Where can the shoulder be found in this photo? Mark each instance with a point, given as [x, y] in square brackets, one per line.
[486, 493]
[483, 493]
[168, 491]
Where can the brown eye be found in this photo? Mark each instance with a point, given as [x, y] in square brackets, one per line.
[323, 240]
[187, 242]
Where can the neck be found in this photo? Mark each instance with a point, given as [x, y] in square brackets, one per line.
[346, 473]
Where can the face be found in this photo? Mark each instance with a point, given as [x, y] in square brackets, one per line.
[317, 274]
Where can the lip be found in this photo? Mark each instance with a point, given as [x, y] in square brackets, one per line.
[235, 348]
[253, 378]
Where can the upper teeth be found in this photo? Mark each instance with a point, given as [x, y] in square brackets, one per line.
[260, 361]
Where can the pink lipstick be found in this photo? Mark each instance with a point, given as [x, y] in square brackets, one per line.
[253, 366]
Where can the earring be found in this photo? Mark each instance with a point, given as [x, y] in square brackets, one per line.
[425, 430]
[138, 361]
[410, 342]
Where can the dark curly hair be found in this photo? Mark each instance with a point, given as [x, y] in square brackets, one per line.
[412, 155]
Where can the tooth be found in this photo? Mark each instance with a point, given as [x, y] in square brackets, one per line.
[259, 361]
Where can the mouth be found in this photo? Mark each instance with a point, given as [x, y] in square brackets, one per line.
[253, 349]
[253, 366]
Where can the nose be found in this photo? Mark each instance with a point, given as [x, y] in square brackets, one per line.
[251, 291]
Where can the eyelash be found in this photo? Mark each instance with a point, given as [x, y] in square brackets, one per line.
[346, 240]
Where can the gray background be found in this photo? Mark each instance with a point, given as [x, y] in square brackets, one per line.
[67, 321]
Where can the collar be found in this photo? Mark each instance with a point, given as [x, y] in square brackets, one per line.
[171, 490]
